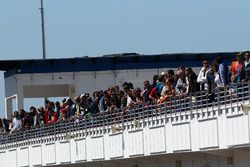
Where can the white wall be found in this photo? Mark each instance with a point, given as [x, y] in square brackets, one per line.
[10, 86]
[207, 140]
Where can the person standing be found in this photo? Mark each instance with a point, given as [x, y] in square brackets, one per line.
[238, 70]
[202, 77]
[247, 65]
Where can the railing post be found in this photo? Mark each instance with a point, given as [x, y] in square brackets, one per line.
[201, 106]
[191, 105]
[237, 96]
[248, 87]
[225, 97]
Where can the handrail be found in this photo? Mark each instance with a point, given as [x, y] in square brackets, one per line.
[199, 103]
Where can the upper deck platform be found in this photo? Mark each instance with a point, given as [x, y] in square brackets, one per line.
[182, 126]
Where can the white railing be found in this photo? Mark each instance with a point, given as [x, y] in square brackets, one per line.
[183, 125]
[179, 108]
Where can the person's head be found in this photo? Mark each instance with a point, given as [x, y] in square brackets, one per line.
[122, 93]
[64, 100]
[57, 104]
[247, 55]
[32, 109]
[51, 105]
[89, 100]
[15, 114]
[111, 89]
[181, 68]
[117, 88]
[131, 86]
[113, 94]
[189, 71]
[21, 112]
[180, 74]
[94, 94]
[137, 92]
[170, 82]
[146, 84]
[124, 84]
[83, 99]
[40, 109]
[161, 78]
[77, 99]
[170, 73]
[205, 64]
[69, 101]
[239, 57]
[47, 103]
[130, 92]
[214, 67]
[107, 101]
[155, 78]
[126, 88]
[218, 60]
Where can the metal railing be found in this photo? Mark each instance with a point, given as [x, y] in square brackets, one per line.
[181, 107]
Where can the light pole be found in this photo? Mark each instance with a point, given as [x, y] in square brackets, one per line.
[43, 40]
[43, 30]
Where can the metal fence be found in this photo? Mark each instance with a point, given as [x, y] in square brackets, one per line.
[182, 107]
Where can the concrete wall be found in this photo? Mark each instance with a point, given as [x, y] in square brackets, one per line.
[82, 81]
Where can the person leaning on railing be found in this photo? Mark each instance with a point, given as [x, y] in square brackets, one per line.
[16, 123]
[221, 72]
[182, 82]
[146, 92]
[168, 90]
[238, 69]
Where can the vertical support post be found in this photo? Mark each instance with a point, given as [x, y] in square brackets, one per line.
[8, 108]
[43, 30]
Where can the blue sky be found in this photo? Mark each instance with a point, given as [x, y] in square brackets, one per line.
[94, 28]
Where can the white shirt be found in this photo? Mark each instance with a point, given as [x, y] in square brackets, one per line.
[16, 123]
[202, 77]
[217, 80]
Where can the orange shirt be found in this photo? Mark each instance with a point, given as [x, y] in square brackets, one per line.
[236, 66]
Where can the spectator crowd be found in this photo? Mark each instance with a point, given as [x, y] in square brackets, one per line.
[212, 76]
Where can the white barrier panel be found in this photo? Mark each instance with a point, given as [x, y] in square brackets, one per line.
[237, 130]
[157, 139]
[11, 158]
[3, 159]
[36, 155]
[23, 157]
[208, 134]
[50, 154]
[181, 136]
[135, 143]
[80, 150]
[64, 152]
[116, 145]
[96, 148]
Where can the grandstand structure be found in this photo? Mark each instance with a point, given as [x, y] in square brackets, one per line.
[185, 132]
